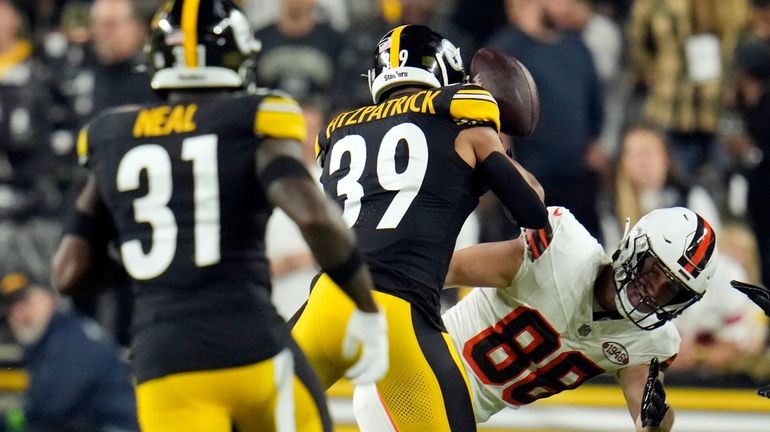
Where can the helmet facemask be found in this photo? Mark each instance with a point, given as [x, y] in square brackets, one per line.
[647, 292]
[663, 266]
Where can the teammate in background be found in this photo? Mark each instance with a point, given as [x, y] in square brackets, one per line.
[408, 171]
[189, 186]
[563, 311]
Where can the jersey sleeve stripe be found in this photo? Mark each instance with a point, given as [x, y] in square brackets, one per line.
[475, 109]
[538, 241]
[484, 97]
[472, 91]
[82, 146]
[532, 246]
[280, 117]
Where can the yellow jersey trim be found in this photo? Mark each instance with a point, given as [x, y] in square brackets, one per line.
[475, 105]
[280, 117]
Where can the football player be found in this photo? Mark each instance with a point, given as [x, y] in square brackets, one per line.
[407, 171]
[189, 185]
[563, 311]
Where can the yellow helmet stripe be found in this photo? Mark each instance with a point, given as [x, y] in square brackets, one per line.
[395, 45]
[190, 31]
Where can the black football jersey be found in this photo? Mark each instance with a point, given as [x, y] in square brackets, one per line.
[180, 184]
[403, 188]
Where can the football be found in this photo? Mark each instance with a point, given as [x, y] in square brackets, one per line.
[512, 86]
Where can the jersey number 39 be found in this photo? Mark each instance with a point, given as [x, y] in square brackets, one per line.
[406, 183]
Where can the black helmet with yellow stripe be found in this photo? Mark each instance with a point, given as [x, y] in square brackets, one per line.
[201, 44]
[414, 55]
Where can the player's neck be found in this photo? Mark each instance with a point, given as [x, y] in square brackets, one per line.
[196, 95]
[604, 289]
[404, 91]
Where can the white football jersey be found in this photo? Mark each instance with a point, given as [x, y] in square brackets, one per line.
[539, 336]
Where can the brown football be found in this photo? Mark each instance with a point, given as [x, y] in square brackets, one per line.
[512, 86]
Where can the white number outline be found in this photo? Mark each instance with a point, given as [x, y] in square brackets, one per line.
[406, 184]
[153, 209]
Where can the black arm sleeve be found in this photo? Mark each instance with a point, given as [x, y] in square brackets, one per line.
[513, 191]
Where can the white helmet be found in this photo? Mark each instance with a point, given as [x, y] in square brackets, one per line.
[675, 243]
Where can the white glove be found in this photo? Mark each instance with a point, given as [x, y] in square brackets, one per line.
[369, 330]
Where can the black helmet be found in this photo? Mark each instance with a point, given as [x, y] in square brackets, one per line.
[201, 44]
[414, 55]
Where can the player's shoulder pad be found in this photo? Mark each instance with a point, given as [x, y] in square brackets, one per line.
[470, 105]
[89, 133]
[278, 115]
[538, 240]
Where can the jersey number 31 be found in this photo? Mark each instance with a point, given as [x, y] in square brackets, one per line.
[153, 208]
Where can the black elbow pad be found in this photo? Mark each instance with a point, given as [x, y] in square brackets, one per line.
[513, 191]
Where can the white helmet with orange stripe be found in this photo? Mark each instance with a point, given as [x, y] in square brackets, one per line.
[663, 265]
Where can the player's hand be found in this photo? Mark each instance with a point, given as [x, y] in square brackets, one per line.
[654, 405]
[369, 331]
[757, 294]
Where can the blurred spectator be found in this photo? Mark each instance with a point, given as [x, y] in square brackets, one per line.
[680, 53]
[725, 331]
[99, 65]
[300, 53]
[112, 73]
[759, 19]
[262, 13]
[570, 106]
[25, 158]
[752, 148]
[646, 179]
[77, 382]
[604, 39]
[291, 263]
[479, 22]
[28, 195]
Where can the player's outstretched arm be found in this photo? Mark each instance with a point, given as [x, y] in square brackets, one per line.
[289, 186]
[516, 188]
[486, 264]
[646, 398]
[757, 294]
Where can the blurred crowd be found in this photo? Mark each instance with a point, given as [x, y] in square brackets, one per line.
[644, 104]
